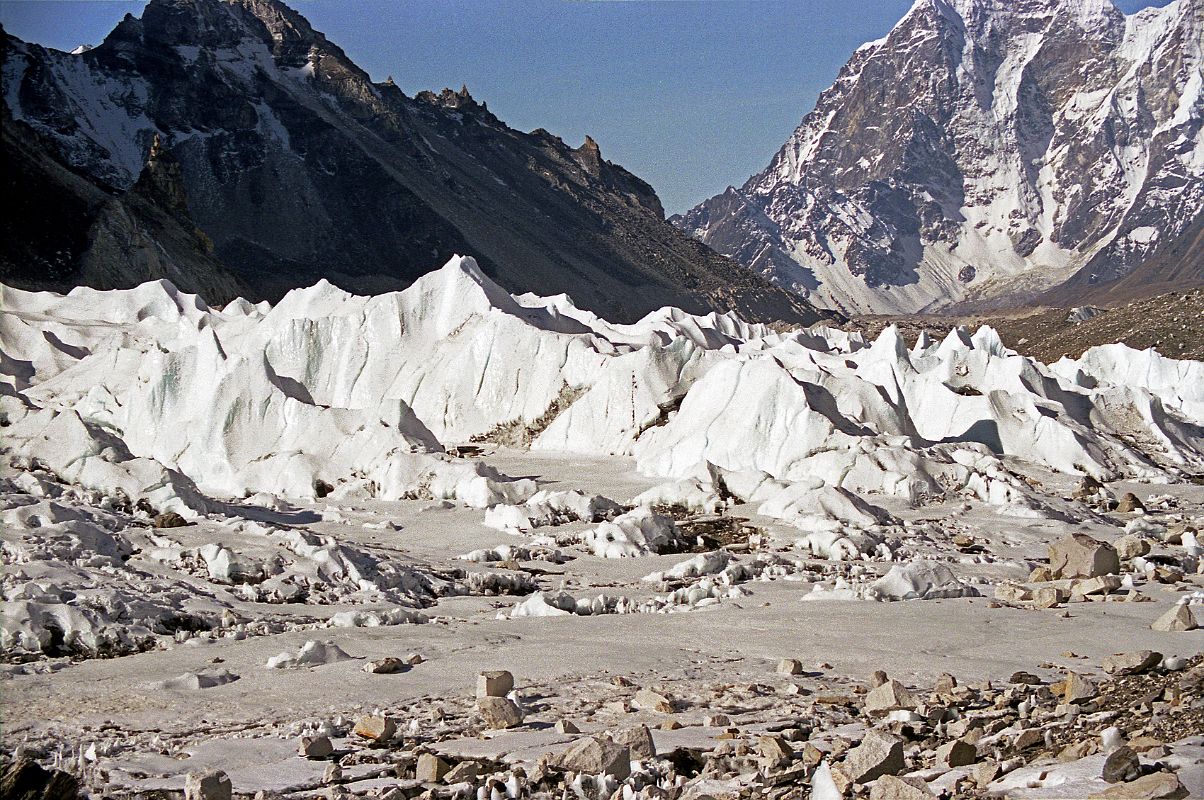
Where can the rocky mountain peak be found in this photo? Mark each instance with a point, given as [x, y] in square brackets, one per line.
[983, 152]
[589, 156]
[298, 167]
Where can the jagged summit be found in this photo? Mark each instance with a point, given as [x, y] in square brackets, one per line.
[983, 151]
[298, 166]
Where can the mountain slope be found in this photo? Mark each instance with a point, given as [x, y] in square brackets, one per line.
[299, 167]
[983, 151]
[62, 229]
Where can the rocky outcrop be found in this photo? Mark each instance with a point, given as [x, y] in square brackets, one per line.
[297, 166]
[63, 228]
[982, 153]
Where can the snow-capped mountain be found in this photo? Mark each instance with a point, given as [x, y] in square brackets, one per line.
[296, 166]
[989, 151]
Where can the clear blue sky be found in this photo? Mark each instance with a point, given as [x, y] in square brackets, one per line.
[690, 96]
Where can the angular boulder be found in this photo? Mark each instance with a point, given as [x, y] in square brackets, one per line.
[1156, 786]
[1178, 618]
[649, 700]
[499, 712]
[594, 755]
[1121, 765]
[494, 683]
[1131, 663]
[956, 754]
[213, 785]
[1080, 556]
[638, 740]
[890, 696]
[878, 754]
[888, 787]
[376, 727]
[431, 768]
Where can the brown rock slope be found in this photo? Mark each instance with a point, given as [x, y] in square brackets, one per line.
[1171, 323]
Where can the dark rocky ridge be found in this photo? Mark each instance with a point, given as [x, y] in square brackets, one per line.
[298, 167]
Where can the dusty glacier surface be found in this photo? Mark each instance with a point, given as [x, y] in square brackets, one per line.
[285, 542]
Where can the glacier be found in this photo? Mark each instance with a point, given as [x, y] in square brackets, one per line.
[150, 393]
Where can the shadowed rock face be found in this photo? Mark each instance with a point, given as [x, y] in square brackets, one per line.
[62, 228]
[298, 166]
[982, 150]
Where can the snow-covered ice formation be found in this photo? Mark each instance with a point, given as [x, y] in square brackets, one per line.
[551, 508]
[151, 394]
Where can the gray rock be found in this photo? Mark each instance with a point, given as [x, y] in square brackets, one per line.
[890, 696]
[431, 768]
[1121, 765]
[1025, 678]
[1177, 618]
[1100, 584]
[638, 740]
[1129, 503]
[1088, 487]
[498, 712]
[774, 751]
[1131, 546]
[1048, 597]
[594, 755]
[649, 700]
[878, 754]
[1156, 786]
[945, 684]
[1131, 663]
[888, 787]
[213, 785]
[956, 754]
[24, 779]
[1011, 593]
[315, 747]
[790, 666]
[376, 727]
[1080, 556]
[495, 683]
[1076, 689]
[464, 772]
[986, 772]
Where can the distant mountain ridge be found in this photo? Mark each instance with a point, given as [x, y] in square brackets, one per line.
[987, 152]
[297, 167]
